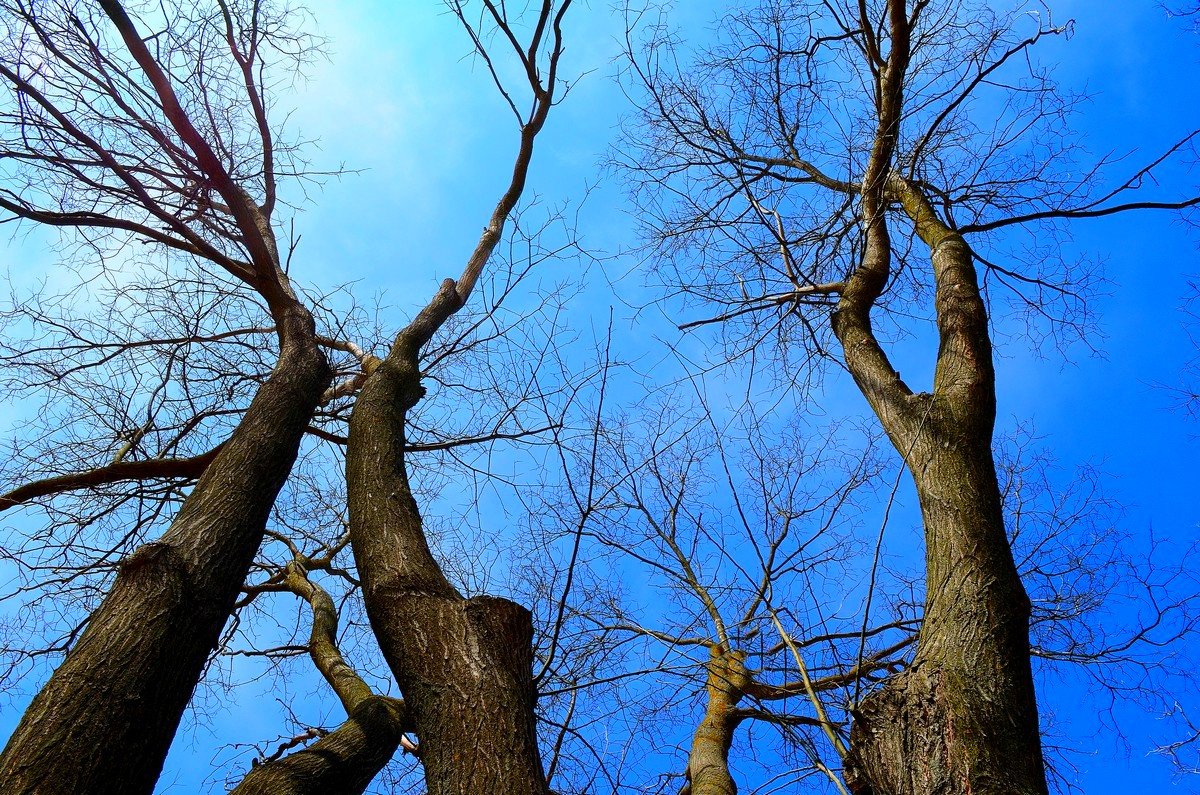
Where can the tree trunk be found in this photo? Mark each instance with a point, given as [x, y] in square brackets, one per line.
[344, 762]
[708, 761]
[105, 719]
[465, 669]
[464, 666]
[962, 718]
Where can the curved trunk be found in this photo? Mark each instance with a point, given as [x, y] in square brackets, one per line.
[105, 719]
[962, 718]
[344, 762]
[464, 666]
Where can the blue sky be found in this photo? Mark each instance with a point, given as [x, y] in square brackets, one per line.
[399, 100]
[436, 156]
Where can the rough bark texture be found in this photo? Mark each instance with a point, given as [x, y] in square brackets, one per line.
[343, 762]
[963, 717]
[708, 761]
[104, 721]
[465, 666]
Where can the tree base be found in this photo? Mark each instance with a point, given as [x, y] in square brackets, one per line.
[928, 732]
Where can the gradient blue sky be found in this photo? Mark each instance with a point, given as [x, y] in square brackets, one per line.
[399, 100]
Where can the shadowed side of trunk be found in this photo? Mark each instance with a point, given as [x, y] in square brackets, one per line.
[105, 719]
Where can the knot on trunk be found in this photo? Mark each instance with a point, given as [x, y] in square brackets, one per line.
[157, 563]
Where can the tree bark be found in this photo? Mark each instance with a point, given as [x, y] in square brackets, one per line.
[344, 762]
[105, 719]
[708, 762]
[963, 717]
[465, 666]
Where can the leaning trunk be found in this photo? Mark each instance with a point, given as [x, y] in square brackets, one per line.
[344, 762]
[105, 719]
[465, 666]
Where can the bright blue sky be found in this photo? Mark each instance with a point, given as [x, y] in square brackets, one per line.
[398, 100]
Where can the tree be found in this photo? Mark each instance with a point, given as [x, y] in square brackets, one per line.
[721, 563]
[819, 172]
[465, 665]
[114, 704]
[200, 403]
[348, 758]
[742, 530]
[153, 126]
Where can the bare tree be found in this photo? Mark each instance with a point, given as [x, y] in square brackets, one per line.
[112, 707]
[465, 665]
[151, 129]
[347, 759]
[723, 571]
[817, 173]
[742, 532]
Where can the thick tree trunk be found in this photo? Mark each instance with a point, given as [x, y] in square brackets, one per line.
[344, 762]
[962, 718]
[708, 762]
[105, 719]
[465, 666]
